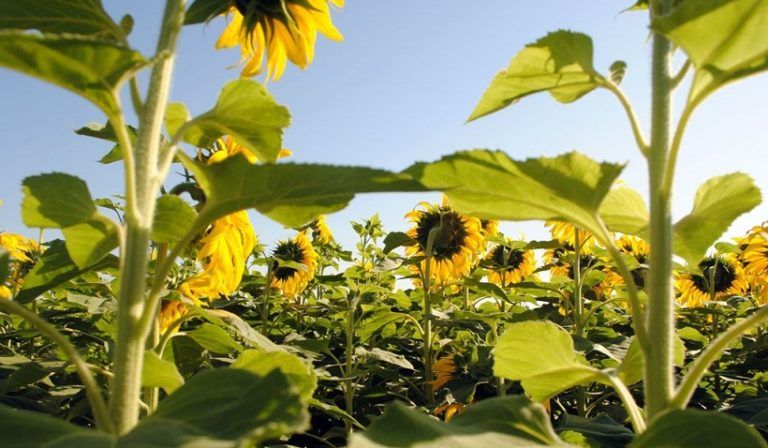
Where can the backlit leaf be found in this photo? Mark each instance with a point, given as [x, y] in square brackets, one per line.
[56, 200]
[173, 217]
[157, 372]
[90, 241]
[693, 429]
[85, 17]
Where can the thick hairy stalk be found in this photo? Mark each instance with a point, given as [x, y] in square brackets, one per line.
[659, 374]
[140, 201]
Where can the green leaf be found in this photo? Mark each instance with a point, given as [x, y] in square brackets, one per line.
[103, 131]
[541, 355]
[632, 367]
[173, 218]
[490, 185]
[371, 325]
[494, 423]
[385, 356]
[693, 429]
[203, 10]
[24, 429]
[245, 111]
[226, 404]
[393, 240]
[263, 363]
[55, 200]
[291, 194]
[54, 268]
[86, 17]
[624, 210]
[601, 429]
[214, 339]
[719, 201]
[157, 372]
[617, 71]
[90, 241]
[724, 39]
[93, 69]
[559, 63]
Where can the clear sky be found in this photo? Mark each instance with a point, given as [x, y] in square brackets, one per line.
[398, 90]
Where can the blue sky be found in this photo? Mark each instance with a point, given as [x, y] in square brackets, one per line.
[398, 90]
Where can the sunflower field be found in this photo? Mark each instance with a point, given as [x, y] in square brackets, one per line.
[158, 318]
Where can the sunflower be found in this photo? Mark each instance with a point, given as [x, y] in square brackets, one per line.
[727, 277]
[23, 252]
[565, 234]
[507, 265]
[226, 146]
[444, 370]
[171, 312]
[563, 267]
[449, 410]
[281, 30]
[321, 233]
[490, 227]
[224, 248]
[641, 251]
[456, 246]
[754, 256]
[290, 280]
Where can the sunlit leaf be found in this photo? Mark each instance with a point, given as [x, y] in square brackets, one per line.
[245, 111]
[559, 63]
[718, 202]
[291, 194]
[725, 39]
[263, 363]
[91, 68]
[494, 423]
[541, 355]
[90, 241]
[632, 367]
[173, 218]
[55, 200]
[624, 210]
[86, 17]
[693, 429]
[490, 185]
[157, 372]
[214, 339]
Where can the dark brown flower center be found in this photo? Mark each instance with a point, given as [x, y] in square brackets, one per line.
[451, 233]
[286, 251]
[506, 258]
[719, 272]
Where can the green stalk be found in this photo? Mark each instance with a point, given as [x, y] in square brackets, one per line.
[349, 383]
[578, 311]
[659, 373]
[427, 341]
[140, 201]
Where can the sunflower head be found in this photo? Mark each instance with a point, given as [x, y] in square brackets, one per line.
[490, 227]
[456, 245]
[641, 251]
[288, 279]
[565, 234]
[507, 265]
[171, 312]
[721, 276]
[278, 30]
[321, 233]
[754, 257]
[24, 253]
[444, 370]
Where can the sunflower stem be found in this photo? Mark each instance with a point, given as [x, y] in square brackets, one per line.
[427, 284]
[132, 330]
[659, 373]
[578, 305]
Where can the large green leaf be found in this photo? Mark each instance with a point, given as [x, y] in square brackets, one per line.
[229, 404]
[631, 369]
[245, 111]
[203, 10]
[541, 355]
[214, 339]
[263, 363]
[624, 210]
[173, 218]
[725, 39]
[560, 63]
[85, 17]
[490, 185]
[694, 429]
[55, 200]
[24, 429]
[291, 194]
[54, 268]
[498, 422]
[718, 202]
[91, 241]
[91, 68]
[157, 372]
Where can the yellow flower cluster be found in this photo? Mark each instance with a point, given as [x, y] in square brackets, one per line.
[278, 31]
[22, 251]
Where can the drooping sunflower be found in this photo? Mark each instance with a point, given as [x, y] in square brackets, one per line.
[321, 233]
[226, 147]
[754, 256]
[490, 227]
[507, 265]
[721, 276]
[444, 370]
[565, 234]
[278, 31]
[457, 245]
[170, 312]
[224, 250]
[290, 280]
[23, 252]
